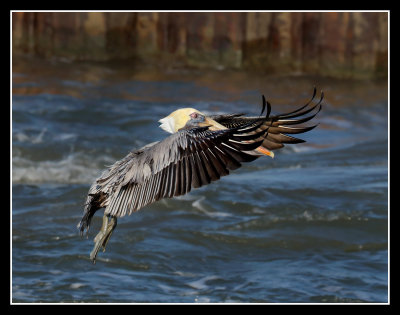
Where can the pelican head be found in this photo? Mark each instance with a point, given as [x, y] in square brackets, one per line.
[189, 117]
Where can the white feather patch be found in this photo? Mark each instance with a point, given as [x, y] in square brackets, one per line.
[167, 124]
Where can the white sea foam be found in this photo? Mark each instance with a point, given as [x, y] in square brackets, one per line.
[35, 139]
[76, 168]
[198, 204]
[184, 274]
[76, 285]
[201, 283]
[202, 299]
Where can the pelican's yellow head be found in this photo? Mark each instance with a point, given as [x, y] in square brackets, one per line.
[179, 118]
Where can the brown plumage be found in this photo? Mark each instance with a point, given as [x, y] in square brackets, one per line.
[200, 150]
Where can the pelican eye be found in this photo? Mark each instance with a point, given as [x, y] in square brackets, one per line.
[194, 115]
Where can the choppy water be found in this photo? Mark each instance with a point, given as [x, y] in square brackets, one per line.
[309, 226]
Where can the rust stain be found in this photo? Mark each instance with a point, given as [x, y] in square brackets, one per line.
[348, 44]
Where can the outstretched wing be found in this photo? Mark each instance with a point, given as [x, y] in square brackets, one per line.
[172, 167]
[279, 126]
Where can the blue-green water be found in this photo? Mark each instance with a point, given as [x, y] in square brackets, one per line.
[309, 226]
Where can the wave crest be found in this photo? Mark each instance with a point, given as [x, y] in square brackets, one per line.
[76, 168]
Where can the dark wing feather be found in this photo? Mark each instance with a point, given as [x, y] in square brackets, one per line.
[277, 125]
[185, 160]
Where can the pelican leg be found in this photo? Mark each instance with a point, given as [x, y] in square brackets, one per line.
[110, 228]
[103, 236]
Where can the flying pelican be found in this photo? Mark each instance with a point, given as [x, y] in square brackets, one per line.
[200, 149]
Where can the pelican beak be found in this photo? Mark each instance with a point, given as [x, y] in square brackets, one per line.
[213, 125]
[265, 151]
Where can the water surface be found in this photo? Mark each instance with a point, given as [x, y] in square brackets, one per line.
[309, 226]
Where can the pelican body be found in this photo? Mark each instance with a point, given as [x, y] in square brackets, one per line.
[199, 150]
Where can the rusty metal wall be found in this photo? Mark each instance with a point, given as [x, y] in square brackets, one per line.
[340, 44]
